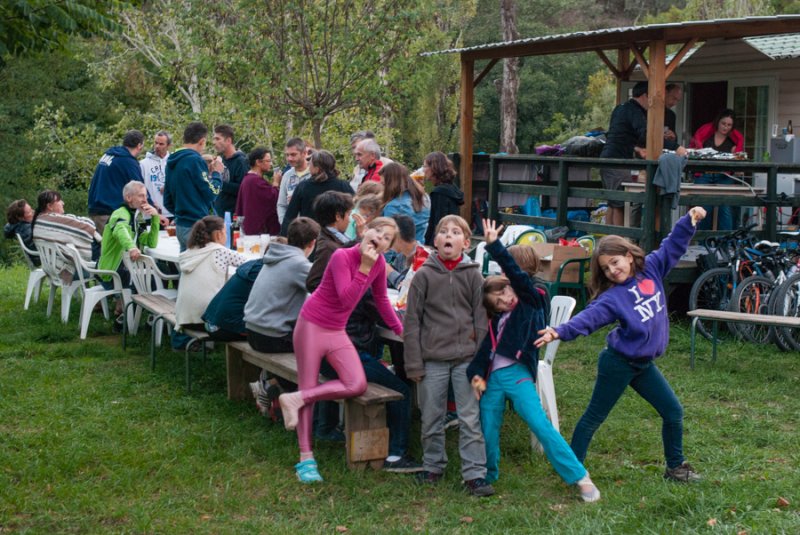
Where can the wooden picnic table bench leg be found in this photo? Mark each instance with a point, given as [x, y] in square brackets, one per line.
[240, 373]
[715, 330]
[367, 437]
[693, 336]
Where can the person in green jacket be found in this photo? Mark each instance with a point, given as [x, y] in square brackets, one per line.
[126, 230]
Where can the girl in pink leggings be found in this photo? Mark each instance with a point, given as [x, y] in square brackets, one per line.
[320, 333]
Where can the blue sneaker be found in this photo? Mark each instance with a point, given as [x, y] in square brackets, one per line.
[307, 471]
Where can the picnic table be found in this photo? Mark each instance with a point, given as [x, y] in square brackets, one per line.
[169, 250]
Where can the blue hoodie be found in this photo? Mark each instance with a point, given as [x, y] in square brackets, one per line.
[189, 193]
[116, 168]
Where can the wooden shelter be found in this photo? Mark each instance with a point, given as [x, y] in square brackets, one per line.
[645, 46]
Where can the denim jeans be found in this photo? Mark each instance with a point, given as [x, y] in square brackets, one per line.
[724, 213]
[515, 383]
[398, 413]
[433, 402]
[182, 234]
[614, 374]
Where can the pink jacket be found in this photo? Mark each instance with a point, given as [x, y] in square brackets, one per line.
[708, 129]
[343, 286]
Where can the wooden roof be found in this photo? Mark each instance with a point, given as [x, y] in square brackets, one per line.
[614, 38]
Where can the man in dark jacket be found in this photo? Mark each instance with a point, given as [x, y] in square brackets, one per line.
[117, 167]
[189, 192]
[236, 166]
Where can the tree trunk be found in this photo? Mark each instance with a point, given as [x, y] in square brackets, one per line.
[510, 86]
[316, 125]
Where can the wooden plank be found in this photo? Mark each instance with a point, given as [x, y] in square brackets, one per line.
[676, 59]
[655, 96]
[741, 317]
[367, 437]
[617, 74]
[639, 55]
[467, 119]
[484, 72]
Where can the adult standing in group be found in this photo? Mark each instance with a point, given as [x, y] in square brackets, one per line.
[626, 132]
[446, 198]
[324, 177]
[236, 166]
[117, 167]
[402, 195]
[672, 95]
[721, 136]
[358, 171]
[154, 167]
[189, 192]
[368, 157]
[258, 199]
[295, 154]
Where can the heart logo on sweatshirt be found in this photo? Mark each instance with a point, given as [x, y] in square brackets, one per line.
[646, 286]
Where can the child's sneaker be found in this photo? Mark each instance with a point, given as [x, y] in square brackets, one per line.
[589, 491]
[428, 478]
[683, 473]
[479, 487]
[307, 471]
[404, 465]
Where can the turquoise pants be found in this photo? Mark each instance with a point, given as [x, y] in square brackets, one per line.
[515, 383]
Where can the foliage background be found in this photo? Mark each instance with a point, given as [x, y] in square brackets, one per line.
[76, 74]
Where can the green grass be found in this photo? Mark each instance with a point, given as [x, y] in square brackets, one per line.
[92, 441]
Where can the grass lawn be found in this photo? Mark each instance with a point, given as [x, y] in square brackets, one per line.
[92, 441]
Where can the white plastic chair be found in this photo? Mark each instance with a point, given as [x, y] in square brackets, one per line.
[93, 291]
[488, 267]
[148, 279]
[53, 262]
[36, 276]
[512, 232]
[561, 307]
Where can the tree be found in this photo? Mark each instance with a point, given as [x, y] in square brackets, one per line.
[323, 57]
[510, 83]
[27, 25]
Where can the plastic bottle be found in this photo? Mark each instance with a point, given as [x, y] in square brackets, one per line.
[789, 129]
[227, 229]
[235, 232]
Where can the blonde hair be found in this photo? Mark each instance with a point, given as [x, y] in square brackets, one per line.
[370, 201]
[526, 258]
[380, 222]
[370, 188]
[456, 220]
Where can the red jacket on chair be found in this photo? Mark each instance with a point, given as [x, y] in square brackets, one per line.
[708, 129]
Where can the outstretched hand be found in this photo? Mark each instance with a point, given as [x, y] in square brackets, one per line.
[491, 231]
[698, 213]
[548, 335]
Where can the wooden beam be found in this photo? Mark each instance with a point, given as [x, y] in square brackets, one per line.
[484, 72]
[655, 98]
[623, 64]
[639, 54]
[608, 63]
[467, 119]
[676, 59]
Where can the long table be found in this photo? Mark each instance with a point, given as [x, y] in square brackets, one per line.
[169, 250]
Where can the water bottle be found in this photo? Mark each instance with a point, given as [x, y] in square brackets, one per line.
[228, 230]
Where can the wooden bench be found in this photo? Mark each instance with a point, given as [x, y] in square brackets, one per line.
[367, 437]
[163, 311]
[715, 316]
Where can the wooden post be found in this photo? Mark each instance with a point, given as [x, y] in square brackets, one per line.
[467, 119]
[623, 62]
[655, 94]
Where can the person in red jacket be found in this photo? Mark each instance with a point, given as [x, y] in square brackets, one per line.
[721, 136]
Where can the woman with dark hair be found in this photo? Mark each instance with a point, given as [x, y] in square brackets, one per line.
[324, 177]
[402, 195]
[204, 268]
[721, 136]
[50, 223]
[446, 198]
[19, 215]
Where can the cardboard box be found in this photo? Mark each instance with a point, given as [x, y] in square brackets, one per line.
[551, 256]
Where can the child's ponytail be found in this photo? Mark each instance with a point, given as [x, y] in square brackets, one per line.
[203, 231]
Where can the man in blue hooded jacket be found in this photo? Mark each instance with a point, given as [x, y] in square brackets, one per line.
[117, 167]
[189, 191]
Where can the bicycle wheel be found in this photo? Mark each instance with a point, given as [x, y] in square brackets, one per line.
[712, 290]
[752, 297]
[786, 302]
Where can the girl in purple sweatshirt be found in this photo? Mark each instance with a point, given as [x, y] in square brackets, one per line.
[320, 333]
[628, 288]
